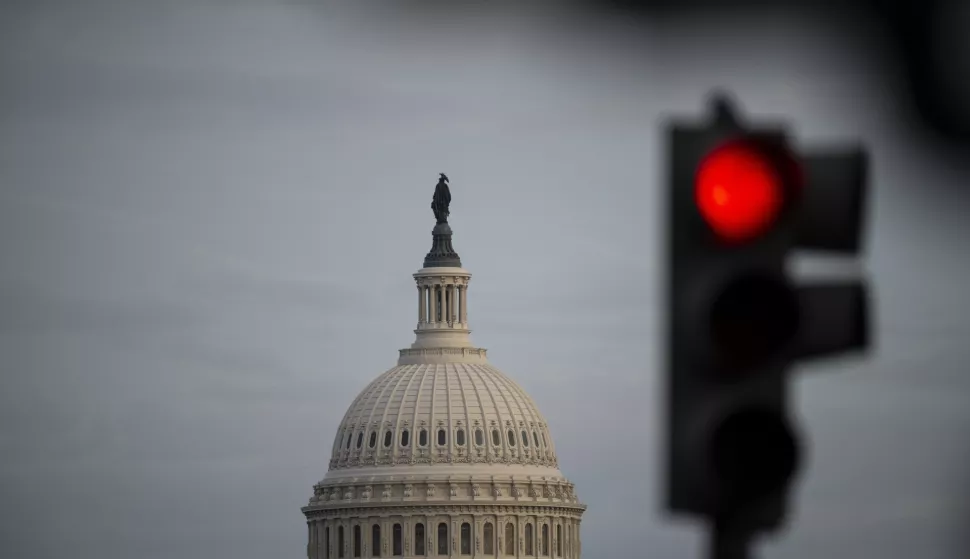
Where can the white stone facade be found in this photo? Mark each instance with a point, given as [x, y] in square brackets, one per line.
[443, 455]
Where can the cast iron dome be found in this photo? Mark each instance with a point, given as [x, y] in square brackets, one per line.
[443, 455]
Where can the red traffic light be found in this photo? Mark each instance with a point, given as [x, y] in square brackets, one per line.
[740, 190]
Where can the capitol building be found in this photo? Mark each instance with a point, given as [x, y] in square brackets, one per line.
[443, 455]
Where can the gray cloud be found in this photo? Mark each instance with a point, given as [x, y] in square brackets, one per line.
[210, 212]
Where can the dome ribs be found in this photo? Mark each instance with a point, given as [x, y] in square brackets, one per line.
[415, 426]
[481, 406]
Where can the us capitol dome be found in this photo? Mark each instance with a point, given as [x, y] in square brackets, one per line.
[443, 455]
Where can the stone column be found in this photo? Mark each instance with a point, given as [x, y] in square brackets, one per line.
[323, 540]
[476, 525]
[422, 305]
[385, 537]
[445, 305]
[577, 545]
[311, 539]
[539, 522]
[432, 291]
[455, 537]
[406, 537]
[347, 536]
[453, 310]
[463, 303]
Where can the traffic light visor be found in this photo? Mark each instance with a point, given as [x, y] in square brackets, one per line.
[739, 190]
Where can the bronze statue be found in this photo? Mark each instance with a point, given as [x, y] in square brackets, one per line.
[441, 199]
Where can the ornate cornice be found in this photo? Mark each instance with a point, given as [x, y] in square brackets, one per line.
[532, 509]
[430, 277]
[482, 489]
[464, 352]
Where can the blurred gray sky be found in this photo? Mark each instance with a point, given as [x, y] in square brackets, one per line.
[210, 211]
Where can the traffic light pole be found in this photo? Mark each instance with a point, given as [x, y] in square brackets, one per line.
[728, 543]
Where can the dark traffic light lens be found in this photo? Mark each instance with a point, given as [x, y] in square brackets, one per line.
[754, 453]
[752, 319]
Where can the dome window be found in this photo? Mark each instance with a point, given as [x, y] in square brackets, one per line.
[397, 537]
[488, 538]
[388, 438]
[442, 437]
[544, 443]
[373, 439]
[423, 437]
[466, 538]
[511, 435]
[442, 538]
[479, 437]
[525, 439]
[535, 437]
[360, 440]
[496, 438]
[350, 437]
[418, 539]
[510, 539]
[460, 437]
[375, 537]
[405, 438]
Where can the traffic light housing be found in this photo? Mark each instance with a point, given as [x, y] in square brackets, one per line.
[741, 199]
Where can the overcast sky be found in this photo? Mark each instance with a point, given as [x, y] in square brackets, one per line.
[210, 211]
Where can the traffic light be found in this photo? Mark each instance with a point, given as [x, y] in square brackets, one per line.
[741, 200]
